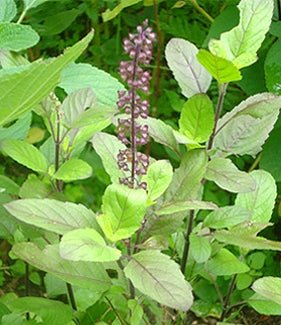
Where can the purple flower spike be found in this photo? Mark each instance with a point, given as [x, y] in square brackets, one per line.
[139, 48]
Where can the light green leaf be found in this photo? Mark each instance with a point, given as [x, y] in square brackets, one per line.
[75, 104]
[156, 275]
[246, 241]
[227, 217]
[123, 211]
[8, 185]
[52, 215]
[200, 248]
[191, 76]
[261, 201]
[110, 14]
[36, 81]
[34, 188]
[107, 147]
[18, 130]
[197, 118]
[226, 175]
[222, 70]
[25, 154]
[246, 127]
[225, 263]
[187, 178]
[86, 245]
[87, 275]
[179, 206]
[8, 10]
[240, 44]
[73, 169]
[159, 177]
[136, 312]
[264, 306]
[61, 313]
[16, 37]
[269, 287]
[83, 75]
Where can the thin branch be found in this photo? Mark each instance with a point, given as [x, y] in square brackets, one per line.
[116, 312]
[201, 10]
[187, 242]
[21, 18]
[227, 298]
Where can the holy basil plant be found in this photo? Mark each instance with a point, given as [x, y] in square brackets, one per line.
[157, 239]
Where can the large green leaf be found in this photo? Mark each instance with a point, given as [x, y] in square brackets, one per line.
[17, 130]
[61, 313]
[52, 215]
[225, 263]
[23, 90]
[226, 175]
[197, 118]
[222, 70]
[87, 275]
[240, 45]
[269, 287]
[83, 75]
[123, 211]
[191, 76]
[264, 306]
[157, 276]
[8, 10]
[246, 127]
[107, 147]
[227, 217]
[73, 169]
[250, 242]
[16, 37]
[159, 177]
[25, 154]
[87, 245]
[75, 104]
[261, 201]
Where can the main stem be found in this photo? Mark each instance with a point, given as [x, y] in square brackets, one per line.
[228, 296]
[57, 140]
[187, 242]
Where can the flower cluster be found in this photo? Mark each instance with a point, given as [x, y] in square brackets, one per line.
[133, 132]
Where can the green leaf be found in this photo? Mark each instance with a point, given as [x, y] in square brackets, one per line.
[200, 248]
[271, 154]
[222, 70]
[264, 306]
[34, 188]
[191, 76]
[237, 130]
[136, 312]
[159, 177]
[244, 281]
[179, 206]
[110, 14]
[52, 215]
[75, 104]
[197, 118]
[240, 45]
[83, 75]
[187, 178]
[23, 90]
[107, 147]
[73, 169]
[226, 175]
[272, 68]
[18, 130]
[16, 37]
[268, 287]
[8, 10]
[61, 313]
[87, 275]
[246, 241]
[8, 185]
[25, 154]
[86, 245]
[156, 275]
[28, 4]
[123, 211]
[227, 217]
[261, 201]
[225, 263]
